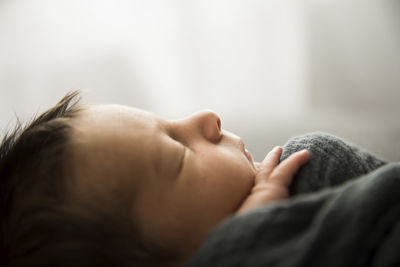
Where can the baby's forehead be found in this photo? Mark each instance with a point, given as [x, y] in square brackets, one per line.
[125, 135]
[99, 120]
[119, 132]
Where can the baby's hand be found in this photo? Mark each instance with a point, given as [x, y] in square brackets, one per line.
[273, 179]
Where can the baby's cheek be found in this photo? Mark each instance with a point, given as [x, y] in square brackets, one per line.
[249, 185]
[244, 182]
[227, 178]
[247, 175]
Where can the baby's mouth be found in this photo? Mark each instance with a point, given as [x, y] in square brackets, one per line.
[249, 156]
[247, 153]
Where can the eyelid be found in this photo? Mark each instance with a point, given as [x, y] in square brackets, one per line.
[182, 160]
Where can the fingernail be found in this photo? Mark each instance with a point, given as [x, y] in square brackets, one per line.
[277, 148]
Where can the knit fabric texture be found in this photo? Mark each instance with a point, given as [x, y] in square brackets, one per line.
[333, 161]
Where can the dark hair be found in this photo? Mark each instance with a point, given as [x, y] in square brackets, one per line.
[38, 225]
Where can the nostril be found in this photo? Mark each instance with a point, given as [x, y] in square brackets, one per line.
[219, 123]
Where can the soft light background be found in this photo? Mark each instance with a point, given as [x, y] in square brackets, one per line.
[270, 68]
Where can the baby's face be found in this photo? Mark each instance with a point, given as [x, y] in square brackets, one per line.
[178, 178]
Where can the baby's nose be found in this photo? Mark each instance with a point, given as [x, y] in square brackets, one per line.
[209, 124]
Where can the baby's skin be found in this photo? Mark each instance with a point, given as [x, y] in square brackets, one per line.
[176, 179]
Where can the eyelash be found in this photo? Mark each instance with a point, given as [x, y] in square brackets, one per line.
[182, 160]
[185, 147]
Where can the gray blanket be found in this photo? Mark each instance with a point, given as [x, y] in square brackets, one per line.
[344, 211]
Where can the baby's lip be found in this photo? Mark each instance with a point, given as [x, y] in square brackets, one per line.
[247, 153]
[249, 156]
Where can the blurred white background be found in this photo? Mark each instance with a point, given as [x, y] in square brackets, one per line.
[270, 68]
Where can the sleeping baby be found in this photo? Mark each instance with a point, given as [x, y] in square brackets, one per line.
[111, 185]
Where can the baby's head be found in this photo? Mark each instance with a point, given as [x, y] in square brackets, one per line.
[114, 185]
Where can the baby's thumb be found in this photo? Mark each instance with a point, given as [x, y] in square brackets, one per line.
[268, 164]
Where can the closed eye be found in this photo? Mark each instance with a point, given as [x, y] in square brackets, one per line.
[182, 160]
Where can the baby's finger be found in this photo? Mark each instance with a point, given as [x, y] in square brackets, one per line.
[272, 156]
[268, 164]
[284, 173]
